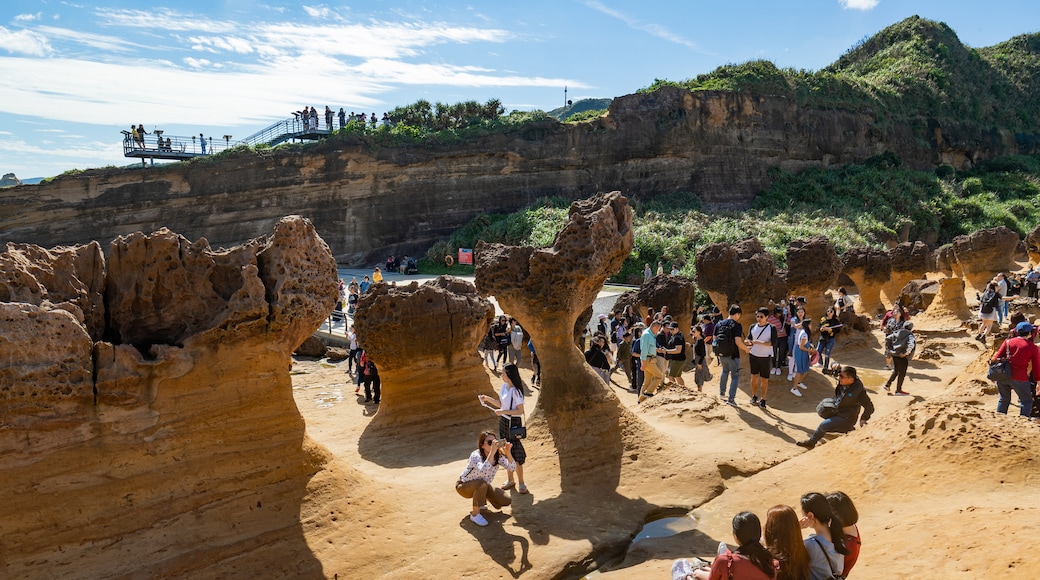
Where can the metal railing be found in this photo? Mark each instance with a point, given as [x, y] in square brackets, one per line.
[161, 146]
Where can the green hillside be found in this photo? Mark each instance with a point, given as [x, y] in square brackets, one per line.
[915, 68]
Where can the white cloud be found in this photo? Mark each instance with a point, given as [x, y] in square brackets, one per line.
[317, 11]
[648, 27]
[858, 4]
[24, 42]
[96, 41]
[27, 17]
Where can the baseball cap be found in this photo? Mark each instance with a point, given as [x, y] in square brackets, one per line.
[1024, 328]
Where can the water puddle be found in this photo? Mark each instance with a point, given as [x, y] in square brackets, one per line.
[326, 399]
[660, 525]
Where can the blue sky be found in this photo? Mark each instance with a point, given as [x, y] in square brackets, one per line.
[72, 75]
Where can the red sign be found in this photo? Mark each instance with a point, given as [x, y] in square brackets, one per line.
[465, 256]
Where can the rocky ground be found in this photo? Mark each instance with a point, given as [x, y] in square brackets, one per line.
[939, 478]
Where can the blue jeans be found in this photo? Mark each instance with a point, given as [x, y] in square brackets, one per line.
[836, 424]
[825, 346]
[730, 368]
[1023, 389]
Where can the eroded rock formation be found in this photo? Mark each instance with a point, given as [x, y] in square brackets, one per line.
[984, 253]
[812, 269]
[675, 292]
[1032, 243]
[742, 273]
[869, 268]
[910, 261]
[165, 450]
[423, 339]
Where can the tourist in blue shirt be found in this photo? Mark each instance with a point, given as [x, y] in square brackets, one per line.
[653, 376]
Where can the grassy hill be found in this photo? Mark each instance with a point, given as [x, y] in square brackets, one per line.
[915, 68]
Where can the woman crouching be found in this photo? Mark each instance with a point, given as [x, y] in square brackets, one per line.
[476, 480]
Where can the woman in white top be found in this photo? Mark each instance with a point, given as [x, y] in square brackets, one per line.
[510, 413]
[476, 479]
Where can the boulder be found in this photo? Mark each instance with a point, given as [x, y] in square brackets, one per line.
[869, 269]
[917, 295]
[742, 273]
[153, 459]
[423, 339]
[983, 254]
[675, 292]
[947, 309]
[910, 261]
[9, 180]
[312, 346]
[1032, 243]
[812, 269]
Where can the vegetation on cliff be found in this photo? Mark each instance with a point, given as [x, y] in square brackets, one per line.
[857, 205]
[916, 68]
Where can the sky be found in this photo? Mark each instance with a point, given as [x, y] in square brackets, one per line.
[73, 75]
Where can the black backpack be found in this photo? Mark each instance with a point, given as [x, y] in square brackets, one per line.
[725, 333]
[989, 304]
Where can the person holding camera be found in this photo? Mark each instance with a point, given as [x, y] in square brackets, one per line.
[851, 397]
[476, 479]
[510, 413]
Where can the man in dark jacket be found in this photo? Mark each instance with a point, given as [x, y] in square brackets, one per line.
[851, 396]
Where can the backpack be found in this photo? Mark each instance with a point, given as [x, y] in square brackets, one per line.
[898, 342]
[989, 304]
[725, 334]
[827, 408]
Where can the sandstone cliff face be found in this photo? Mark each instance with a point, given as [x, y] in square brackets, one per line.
[165, 450]
[369, 202]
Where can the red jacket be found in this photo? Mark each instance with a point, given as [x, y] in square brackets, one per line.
[1021, 352]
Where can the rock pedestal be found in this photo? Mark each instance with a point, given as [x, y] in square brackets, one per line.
[423, 339]
[812, 269]
[869, 269]
[742, 273]
[983, 254]
[909, 262]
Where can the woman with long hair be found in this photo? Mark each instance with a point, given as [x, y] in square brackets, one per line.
[750, 561]
[843, 507]
[510, 413]
[826, 545]
[803, 348]
[477, 478]
[784, 542]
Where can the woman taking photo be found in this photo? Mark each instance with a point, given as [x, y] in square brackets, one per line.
[826, 545]
[830, 326]
[784, 542]
[477, 478]
[510, 413]
[750, 561]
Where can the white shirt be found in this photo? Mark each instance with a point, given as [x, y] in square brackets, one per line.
[510, 398]
[763, 333]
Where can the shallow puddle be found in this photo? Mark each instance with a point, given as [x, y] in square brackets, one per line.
[326, 399]
[660, 526]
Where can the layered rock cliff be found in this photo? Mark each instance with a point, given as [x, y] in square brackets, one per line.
[367, 201]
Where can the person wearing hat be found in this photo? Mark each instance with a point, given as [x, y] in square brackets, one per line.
[900, 346]
[1024, 357]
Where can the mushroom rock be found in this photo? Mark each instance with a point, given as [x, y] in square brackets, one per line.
[150, 450]
[910, 261]
[630, 298]
[69, 278]
[945, 262]
[1032, 243]
[812, 269]
[312, 346]
[948, 308]
[869, 269]
[423, 339]
[548, 289]
[675, 292]
[742, 273]
[918, 294]
[984, 253]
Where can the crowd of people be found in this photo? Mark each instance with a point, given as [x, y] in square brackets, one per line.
[777, 551]
[310, 118]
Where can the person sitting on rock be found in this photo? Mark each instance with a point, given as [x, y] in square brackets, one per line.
[851, 397]
[477, 479]
[750, 561]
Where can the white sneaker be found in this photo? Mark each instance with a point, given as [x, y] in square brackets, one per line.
[803, 386]
[790, 377]
[796, 392]
[479, 520]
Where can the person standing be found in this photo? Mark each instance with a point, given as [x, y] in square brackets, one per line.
[365, 283]
[510, 414]
[1032, 278]
[516, 342]
[729, 342]
[328, 118]
[780, 346]
[675, 353]
[647, 273]
[596, 357]
[342, 118]
[760, 339]
[637, 371]
[830, 326]
[803, 351]
[989, 310]
[377, 275]
[900, 346]
[660, 268]
[202, 143]
[652, 374]
[371, 380]
[1024, 357]
[1002, 306]
[851, 397]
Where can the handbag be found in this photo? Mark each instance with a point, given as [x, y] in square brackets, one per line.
[827, 408]
[999, 371]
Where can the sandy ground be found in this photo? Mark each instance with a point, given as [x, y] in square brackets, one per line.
[942, 483]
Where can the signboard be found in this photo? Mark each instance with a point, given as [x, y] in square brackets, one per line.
[466, 256]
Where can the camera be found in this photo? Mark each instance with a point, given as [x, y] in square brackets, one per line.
[834, 370]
